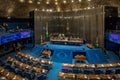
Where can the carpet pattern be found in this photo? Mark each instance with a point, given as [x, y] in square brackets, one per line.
[62, 56]
[96, 56]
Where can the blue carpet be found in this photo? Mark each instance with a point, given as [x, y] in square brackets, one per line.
[113, 58]
[66, 47]
[63, 56]
[53, 74]
[96, 56]
[35, 51]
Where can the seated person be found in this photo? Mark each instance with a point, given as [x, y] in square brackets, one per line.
[18, 29]
[5, 26]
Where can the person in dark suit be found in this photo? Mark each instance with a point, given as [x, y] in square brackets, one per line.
[5, 26]
[17, 28]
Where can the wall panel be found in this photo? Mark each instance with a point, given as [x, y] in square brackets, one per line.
[87, 24]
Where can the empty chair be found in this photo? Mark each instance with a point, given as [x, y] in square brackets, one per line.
[12, 69]
[65, 70]
[87, 71]
[7, 66]
[23, 60]
[117, 71]
[99, 72]
[29, 62]
[75, 71]
[17, 57]
[19, 72]
[70, 70]
[28, 75]
[1, 63]
[109, 72]
[40, 77]
[47, 67]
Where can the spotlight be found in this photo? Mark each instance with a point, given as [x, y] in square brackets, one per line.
[64, 1]
[47, 2]
[72, 1]
[80, 0]
[30, 1]
[22, 1]
[89, 0]
[56, 3]
[38, 2]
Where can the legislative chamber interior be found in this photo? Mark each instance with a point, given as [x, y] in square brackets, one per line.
[59, 40]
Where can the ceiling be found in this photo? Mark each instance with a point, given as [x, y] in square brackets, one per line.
[21, 8]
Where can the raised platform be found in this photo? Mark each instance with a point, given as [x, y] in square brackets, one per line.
[67, 42]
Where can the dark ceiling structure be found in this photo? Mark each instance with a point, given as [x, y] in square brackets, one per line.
[21, 8]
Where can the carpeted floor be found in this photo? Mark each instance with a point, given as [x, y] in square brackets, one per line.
[63, 54]
[96, 56]
[113, 58]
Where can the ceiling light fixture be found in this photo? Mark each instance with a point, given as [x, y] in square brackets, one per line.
[30, 1]
[56, 3]
[43, 9]
[80, 0]
[47, 2]
[38, 2]
[64, 1]
[72, 1]
[22, 1]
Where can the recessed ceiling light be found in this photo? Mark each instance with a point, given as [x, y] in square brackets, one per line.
[22, 1]
[56, 3]
[64, 1]
[38, 2]
[80, 0]
[72, 1]
[30, 1]
[43, 9]
[47, 2]
[88, 7]
[58, 9]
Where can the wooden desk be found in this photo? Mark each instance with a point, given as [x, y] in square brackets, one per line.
[80, 65]
[80, 58]
[68, 65]
[116, 76]
[18, 78]
[67, 41]
[90, 46]
[90, 66]
[36, 59]
[61, 75]
[82, 77]
[70, 76]
[116, 64]
[106, 77]
[100, 66]
[109, 66]
[94, 77]
[10, 76]
[46, 53]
